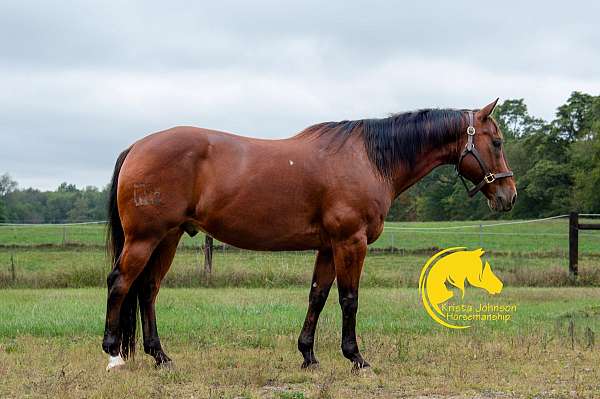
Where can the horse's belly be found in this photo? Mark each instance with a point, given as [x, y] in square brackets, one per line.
[258, 236]
[262, 225]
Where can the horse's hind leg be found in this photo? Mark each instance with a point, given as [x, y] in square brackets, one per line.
[323, 277]
[132, 261]
[149, 284]
[349, 255]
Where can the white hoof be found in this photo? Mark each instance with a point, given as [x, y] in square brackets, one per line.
[115, 362]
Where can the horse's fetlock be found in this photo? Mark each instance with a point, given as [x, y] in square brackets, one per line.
[111, 344]
[152, 346]
[350, 350]
[305, 343]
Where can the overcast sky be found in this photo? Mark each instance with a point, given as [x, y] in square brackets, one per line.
[80, 81]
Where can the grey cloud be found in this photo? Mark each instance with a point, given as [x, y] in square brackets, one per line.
[82, 80]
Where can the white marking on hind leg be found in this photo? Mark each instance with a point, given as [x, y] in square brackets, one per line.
[115, 362]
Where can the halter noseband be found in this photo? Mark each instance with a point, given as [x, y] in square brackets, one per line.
[488, 177]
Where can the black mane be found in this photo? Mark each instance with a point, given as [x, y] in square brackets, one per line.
[398, 139]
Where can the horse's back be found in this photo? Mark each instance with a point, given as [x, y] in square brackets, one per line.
[223, 184]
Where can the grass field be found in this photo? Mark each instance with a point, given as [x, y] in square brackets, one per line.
[233, 333]
[530, 254]
[543, 236]
[241, 343]
[88, 267]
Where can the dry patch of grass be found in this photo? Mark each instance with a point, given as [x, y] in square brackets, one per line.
[409, 366]
[242, 343]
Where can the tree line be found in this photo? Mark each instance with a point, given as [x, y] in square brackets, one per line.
[556, 165]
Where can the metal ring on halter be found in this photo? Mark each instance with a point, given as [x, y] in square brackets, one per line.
[489, 178]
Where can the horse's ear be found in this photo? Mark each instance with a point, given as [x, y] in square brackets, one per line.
[486, 111]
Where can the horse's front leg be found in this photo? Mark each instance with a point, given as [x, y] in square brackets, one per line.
[349, 255]
[323, 277]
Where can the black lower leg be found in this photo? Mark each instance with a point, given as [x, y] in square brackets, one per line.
[349, 305]
[323, 277]
[317, 298]
[152, 345]
[112, 337]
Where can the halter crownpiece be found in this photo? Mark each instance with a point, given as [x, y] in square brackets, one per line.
[488, 177]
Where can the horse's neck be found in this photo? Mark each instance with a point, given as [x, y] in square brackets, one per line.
[426, 162]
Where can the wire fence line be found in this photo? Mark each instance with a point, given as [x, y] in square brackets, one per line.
[511, 222]
[94, 222]
[480, 224]
[518, 248]
[549, 234]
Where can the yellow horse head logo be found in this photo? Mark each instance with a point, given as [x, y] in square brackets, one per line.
[454, 266]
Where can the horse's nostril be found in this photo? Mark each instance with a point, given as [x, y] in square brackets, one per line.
[514, 199]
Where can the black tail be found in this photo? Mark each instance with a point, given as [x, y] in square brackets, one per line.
[115, 240]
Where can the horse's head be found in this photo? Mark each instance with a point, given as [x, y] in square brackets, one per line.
[482, 160]
[482, 277]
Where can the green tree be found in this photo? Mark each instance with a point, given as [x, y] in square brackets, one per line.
[574, 119]
[514, 120]
[80, 211]
[7, 185]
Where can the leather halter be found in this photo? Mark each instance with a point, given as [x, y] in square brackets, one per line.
[488, 177]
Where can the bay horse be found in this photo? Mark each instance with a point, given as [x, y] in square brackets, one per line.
[328, 188]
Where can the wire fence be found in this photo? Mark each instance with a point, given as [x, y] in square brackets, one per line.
[527, 250]
[537, 236]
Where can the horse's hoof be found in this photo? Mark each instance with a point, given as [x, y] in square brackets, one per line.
[364, 372]
[163, 361]
[115, 363]
[310, 365]
[164, 365]
[361, 367]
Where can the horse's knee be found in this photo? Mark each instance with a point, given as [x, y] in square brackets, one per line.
[349, 304]
[317, 299]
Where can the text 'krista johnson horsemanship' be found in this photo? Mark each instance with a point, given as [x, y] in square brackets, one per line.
[328, 189]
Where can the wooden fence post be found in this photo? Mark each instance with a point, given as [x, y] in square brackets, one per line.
[573, 243]
[208, 252]
[13, 272]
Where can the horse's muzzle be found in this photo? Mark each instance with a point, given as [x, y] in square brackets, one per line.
[503, 201]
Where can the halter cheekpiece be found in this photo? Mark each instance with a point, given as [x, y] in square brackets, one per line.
[488, 177]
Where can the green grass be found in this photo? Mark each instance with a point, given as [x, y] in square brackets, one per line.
[543, 236]
[88, 267]
[237, 338]
[236, 316]
[242, 343]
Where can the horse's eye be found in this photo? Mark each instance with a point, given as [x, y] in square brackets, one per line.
[497, 143]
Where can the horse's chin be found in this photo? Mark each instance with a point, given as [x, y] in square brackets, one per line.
[492, 205]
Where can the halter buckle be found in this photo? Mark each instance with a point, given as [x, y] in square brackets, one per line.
[489, 178]
[471, 131]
